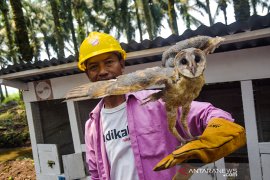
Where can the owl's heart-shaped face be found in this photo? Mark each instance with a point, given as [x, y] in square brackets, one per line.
[190, 62]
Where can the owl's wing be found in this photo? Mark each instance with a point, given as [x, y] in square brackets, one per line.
[131, 82]
[205, 43]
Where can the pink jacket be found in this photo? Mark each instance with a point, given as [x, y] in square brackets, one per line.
[149, 135]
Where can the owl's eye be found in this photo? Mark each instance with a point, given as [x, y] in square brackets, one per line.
[197, 59]
[183, 61]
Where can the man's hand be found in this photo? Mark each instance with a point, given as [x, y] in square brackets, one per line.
[220, 138]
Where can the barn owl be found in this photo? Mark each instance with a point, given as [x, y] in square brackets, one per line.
[181, 75]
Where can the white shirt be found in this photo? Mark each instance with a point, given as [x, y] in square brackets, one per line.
[117, 143]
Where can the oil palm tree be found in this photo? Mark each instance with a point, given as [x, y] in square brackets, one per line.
[79, 16]
[68, 29]
[32, 12]
[185, 9]
[157, 16]
[40, 21]
[3, 61]
[21, 34]
[95, 22]
[254, 4]
[204, 6]
[126, 18]
[5, 13]
[57, 28]
[241, 9]
[68, 7]
[222, 6]
[262, 3]
[3, 52]
[172, 17]
[1, 94]
[148, 19]
[138, 18]
[266, 4]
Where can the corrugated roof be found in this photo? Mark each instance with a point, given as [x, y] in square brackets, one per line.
[255, 22]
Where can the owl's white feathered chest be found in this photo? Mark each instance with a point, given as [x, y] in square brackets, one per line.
[183, 91]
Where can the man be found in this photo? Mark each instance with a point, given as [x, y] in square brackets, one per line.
[124, 139]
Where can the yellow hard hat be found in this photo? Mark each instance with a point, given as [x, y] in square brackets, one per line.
[98, 43]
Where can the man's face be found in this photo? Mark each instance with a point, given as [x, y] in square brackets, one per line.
[104, 67]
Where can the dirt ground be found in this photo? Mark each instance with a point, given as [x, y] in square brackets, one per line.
[20, 169]
[17, 164]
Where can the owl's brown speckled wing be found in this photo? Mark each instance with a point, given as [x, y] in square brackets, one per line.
[205, 43]
[131, 82]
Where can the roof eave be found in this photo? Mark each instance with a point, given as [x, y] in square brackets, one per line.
[13, 77]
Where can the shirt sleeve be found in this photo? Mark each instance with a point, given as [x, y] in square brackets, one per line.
[90, 152]
[201, 113]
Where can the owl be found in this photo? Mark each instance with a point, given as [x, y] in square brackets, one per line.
[181, 77]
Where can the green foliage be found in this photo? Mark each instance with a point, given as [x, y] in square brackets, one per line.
[241, 9]
[12, 98]
[157, 15]
[13, 123]
[75, 19]
[13, 139]
[5, 118]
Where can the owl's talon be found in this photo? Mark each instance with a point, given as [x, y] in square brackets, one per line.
[178, 147]
[193, 139]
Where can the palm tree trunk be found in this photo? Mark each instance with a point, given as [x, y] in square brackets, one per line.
[5, 10]
[148, 19]
[78, 16]
[125, 19]
[6, 90]
[70, 19]
[22, 39]
[172, 17]
[254, 3]
[36, 45]
[1, 94]
[138, 19]
[118, 10]
[21, 94]
[46, 44]
[241, 10]
[130, 31]
[185, 14]
[223, 6]
[57, 29]
[225, 16]
[80, 29]
[209, 13]
[115, 5]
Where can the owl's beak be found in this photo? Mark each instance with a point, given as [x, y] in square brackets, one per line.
[193, 70]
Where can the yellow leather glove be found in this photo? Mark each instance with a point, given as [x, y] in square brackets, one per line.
[220, 138]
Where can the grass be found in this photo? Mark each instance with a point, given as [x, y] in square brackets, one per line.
[15, 153]
[13, 129]
[12, 97]
[13, 124]
[5, 116]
